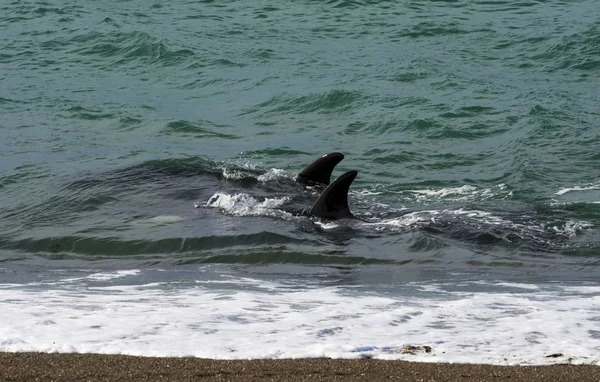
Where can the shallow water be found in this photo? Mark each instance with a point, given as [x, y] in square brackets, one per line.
[148, 153]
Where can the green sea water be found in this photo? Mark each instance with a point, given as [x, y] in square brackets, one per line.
[116, 117]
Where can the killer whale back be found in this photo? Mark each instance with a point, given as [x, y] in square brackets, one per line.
[320, 170]
[333, 202]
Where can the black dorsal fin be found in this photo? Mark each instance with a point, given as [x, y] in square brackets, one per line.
[333, 202]
[320, 170]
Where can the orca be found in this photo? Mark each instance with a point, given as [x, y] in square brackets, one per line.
[319, 171]
[332, 204]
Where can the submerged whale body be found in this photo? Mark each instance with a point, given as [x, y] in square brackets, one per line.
[482, 227]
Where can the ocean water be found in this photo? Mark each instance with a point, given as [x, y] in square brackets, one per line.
[147, 160]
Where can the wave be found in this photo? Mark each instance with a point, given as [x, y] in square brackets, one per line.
[129, 47]
[577, 52]
[115, 247]
[198, 129]
[563, 191]
[335, 101]
[259, 248]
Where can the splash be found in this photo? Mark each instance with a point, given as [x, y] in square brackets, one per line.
[273, 174]
[463, 193]
[245, 205]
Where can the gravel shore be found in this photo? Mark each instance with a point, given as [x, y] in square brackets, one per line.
[96, 367]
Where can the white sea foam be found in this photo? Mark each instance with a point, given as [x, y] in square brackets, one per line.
[417, 218]
[246, 205]
[466, 189]
[103, 276]
[157, 220]
[519, 285]
[233, 173]
[589, 193]
[571, 227]
[462, 193]
[365, 193]
[476, 217]
[410, 219]
[327, 225]
[272, 320]
[273, 174]
[563, 191]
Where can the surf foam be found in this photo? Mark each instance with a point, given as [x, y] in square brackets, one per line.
[515, 323]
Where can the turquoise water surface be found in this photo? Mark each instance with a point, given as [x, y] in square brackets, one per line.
[166, 136]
